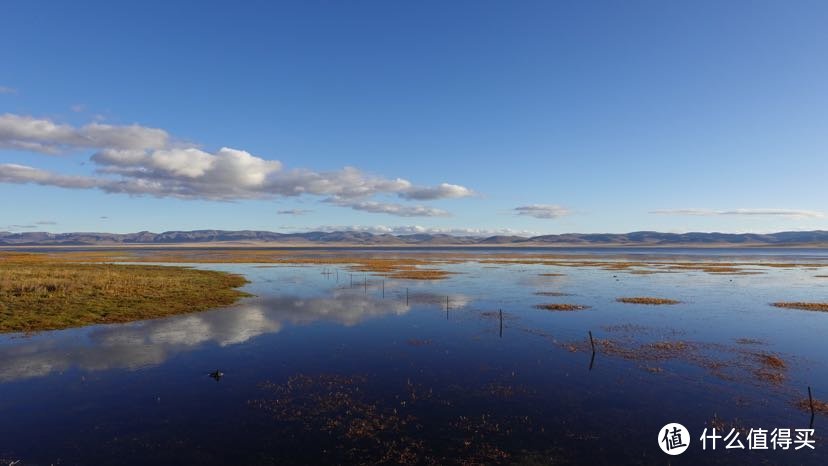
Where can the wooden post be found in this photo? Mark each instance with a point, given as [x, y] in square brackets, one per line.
[383, 288]
[501, 323]
[811, 403]
[406, 296]
[591, 341]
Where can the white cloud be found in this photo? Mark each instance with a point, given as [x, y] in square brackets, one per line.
[442, 191]
[417, 229]
[293, 212]
[393, 209]
[7, 90]
[138, 160]
[13, 173]
[41, 135]
[542, 211]
[748, 212]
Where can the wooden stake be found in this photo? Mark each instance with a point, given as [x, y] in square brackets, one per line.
[501, 323]
[811, 402]
[591, 341]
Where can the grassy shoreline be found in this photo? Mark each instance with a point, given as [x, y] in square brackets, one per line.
[37, 296]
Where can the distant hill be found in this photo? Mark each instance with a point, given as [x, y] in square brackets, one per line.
[347, 238]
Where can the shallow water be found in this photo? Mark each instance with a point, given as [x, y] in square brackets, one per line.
[320, 370]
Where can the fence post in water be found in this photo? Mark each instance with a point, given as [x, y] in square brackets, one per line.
[592, 342]
[352, 279]
[501, 323]
[811, 403]
[383, 288]
[365, 277]
[406, 296]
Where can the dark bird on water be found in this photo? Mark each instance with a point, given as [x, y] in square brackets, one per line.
[216, 375]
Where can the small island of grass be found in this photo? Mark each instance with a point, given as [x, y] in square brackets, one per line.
[562, 307]
[820, 307]
[647, 300]
[40, 295]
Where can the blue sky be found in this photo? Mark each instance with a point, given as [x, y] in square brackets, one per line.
[542, 117]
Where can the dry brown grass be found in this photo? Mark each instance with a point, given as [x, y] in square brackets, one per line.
[819, 406]
[37, 295]
[647, 300]
[820, 307]
[561, 307]
[419, 274]
[393, 266]
[771, 360]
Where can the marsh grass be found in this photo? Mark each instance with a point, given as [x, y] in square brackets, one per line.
[37, 295]
[819, 307]
[819, 406]
[648, 300]
[561, 307]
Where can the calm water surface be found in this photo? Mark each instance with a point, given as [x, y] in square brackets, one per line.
[318, 369]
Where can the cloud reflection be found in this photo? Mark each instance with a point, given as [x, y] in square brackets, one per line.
[149, 343]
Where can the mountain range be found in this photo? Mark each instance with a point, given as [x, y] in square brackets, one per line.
[816, 238]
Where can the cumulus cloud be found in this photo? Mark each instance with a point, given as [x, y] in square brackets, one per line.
[20, 174]
[139, 160]
[748, 212]
[42, 135]
[542, 211]
[442, 191]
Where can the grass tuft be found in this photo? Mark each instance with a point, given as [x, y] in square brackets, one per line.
[647, 300]
[561, 307]
[820, 307]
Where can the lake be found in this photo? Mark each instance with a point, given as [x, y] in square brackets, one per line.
[326, 365]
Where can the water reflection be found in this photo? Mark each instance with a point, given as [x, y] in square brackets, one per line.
[149, 343]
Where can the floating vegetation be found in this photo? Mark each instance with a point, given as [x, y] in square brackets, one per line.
[820, 307]
[552, 293]
[420, 274]
[561, 307]
[647, 300]
[771, 360]
[387, 429]
[819, 406]
[749, 341]
[723, 361]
